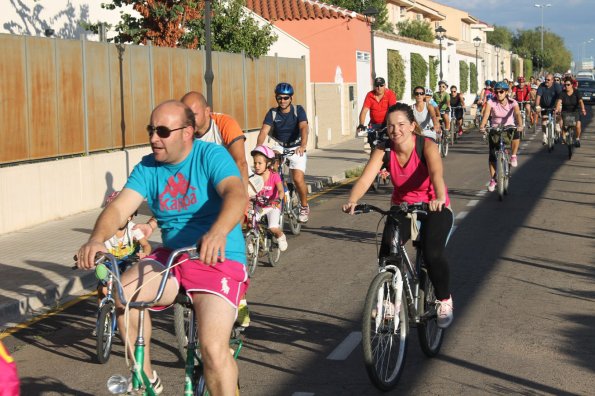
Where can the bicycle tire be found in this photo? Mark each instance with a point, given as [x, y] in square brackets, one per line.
[453, 135]
[252, 258]
[380, 331]
[376, 187]
[500, 174]
[550, 137]
[570, 141]
[181, 314]
[444, 150]
[200, 385]
[294, 222]
[274, 252]
[430, 335]
[105, 332]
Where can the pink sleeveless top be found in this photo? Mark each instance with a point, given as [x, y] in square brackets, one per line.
[411, 182]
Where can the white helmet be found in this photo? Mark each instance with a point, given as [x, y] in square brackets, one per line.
[429, 92]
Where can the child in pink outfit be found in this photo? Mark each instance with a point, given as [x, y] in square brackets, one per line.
[268, 200]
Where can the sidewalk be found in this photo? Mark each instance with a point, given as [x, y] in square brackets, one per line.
[36, 263]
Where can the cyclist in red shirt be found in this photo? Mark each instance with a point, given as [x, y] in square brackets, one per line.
[377, 103]
[522, 93]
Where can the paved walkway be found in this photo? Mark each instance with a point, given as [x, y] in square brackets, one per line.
[36, 263]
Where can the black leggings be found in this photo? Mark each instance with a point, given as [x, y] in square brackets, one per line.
[435, 229]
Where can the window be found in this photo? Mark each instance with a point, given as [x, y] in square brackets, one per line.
[363, 56]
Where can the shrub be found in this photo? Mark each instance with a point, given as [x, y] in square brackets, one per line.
[464, 76]
[396, 73]
[419, 70]
[473, 76]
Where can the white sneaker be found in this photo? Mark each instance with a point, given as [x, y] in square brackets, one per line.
[155, 382]
[282, 241]
[444, 310]
[304, 212]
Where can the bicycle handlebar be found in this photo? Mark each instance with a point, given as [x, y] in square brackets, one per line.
[420, 207]
[192, 251]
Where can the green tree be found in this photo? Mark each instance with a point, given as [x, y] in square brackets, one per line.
[464, 76]
[501, 36]
[380, 20]
[555, 56]
[396, 72]
[419, 30]
[433, 71]
[473, 78]
[527, 68]
[419, 70]
[180, 24]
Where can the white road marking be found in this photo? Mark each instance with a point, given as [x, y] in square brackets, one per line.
[473, 202]
[302, 394]
[481, 193]
[344, 349]
[461, 215]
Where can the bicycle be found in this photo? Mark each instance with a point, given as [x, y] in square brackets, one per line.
[106, 324]
[502, 136]
[260, 240]
[400, 295]
[290, 207]
[194, 383]
[569, 120]
[443, 139]
[550, 129]
[522, 105]
[376, 137]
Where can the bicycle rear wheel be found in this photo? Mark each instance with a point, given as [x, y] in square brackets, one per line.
[444, 147]
[274, 252]
[294, 211]
[550, 137]
[500, 174]
[252, 251]
[430, 335]
[385, 328]
[105, 332]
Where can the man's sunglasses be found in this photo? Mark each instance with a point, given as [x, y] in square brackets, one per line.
[279, 98]
[500, 91]
[161, 131]
[548, 79]
[568, 84]
[419, 93]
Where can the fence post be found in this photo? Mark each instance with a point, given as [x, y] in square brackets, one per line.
[245, 91]
[85, 109]
[152, 76]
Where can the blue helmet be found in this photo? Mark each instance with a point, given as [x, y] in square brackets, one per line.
[284, 89]
[502, 85]
[488, 82]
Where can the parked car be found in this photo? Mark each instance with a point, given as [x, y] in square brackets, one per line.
[585, 74]
[587, 90]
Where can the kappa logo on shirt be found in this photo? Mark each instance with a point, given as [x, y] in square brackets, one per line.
[175, 195]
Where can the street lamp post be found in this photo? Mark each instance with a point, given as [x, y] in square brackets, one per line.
[209, 76]
[542, 6]
[476, 43]
[370, 14]
[440, 35]
[497, 48]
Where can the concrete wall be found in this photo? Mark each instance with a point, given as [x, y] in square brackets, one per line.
[335, 114]
[35, 193]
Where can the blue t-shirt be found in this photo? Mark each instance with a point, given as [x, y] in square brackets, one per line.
[183, 197]
[285, 127]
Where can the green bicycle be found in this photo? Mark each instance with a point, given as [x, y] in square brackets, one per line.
[140, 384]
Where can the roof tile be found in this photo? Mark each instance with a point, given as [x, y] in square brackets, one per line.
[294, 10]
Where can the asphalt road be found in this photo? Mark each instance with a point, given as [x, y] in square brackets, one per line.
[522, 275]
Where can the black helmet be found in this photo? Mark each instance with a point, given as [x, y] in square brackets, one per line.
[284, 89]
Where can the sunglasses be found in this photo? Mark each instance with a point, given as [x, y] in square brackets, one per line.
[419, 93]
[557, 79]
[548, 79]
[568, 84]
[161, 131]
[500, 91]
[378, 86]
[279, 98]
[453, 90]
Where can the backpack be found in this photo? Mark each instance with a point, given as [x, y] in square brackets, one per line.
[419, 148]
[274, 114]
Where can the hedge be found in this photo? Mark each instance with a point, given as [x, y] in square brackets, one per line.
[419, 71]
[473, 75]
[464, 76]
[396, 73]
[433, 72]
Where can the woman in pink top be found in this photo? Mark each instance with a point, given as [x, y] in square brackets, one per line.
[504, 111]
[416, 178]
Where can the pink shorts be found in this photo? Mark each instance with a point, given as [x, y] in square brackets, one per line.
[228, 279]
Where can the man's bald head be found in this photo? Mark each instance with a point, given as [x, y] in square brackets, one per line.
[202, 112]
[175, 108]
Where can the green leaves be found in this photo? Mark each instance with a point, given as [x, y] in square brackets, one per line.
[419, 30]
[464, 76]
[419, 70]
[396, 73]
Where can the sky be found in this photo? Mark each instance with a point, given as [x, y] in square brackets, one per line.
[573, 20]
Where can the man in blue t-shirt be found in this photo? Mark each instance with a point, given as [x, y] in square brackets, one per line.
[195, 191]
[288, 125]
[547, 95]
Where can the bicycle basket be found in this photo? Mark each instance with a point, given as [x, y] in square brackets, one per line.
[569, 120]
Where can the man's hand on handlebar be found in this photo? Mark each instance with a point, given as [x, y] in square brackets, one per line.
[300, 150]
[86, 254]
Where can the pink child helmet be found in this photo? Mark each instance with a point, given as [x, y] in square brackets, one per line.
[264, 150]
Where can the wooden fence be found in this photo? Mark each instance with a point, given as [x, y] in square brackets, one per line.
[67, 97]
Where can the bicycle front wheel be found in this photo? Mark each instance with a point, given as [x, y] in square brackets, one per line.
[274, 252]
[430, 335]
[181, 318]
[444, 148]
[550, 137]
[500, 174]
[105, 332]
[385, 328]
[570, 141]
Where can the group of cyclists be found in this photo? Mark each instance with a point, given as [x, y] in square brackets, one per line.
[196, 183]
